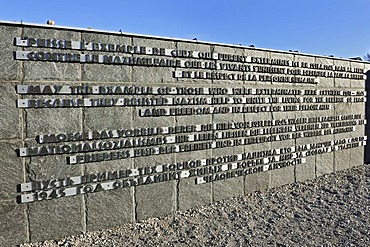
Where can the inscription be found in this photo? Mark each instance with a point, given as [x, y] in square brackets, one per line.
[202, 170]
[253, 68]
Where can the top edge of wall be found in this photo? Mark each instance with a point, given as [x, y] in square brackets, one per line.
[26, 24]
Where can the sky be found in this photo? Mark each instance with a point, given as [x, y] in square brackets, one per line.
[322, 27]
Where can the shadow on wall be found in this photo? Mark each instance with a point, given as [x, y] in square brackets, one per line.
[367, 116]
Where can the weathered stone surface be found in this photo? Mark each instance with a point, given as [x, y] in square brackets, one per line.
[153, 74]
[53, 121]
[107, 118]
[109, 208]
[191, 194]
[328, 81]
[306, 170]
[50, 167]
[51, 71]
[11, 170]
[13, 224]
[155, 200]
[257, 182]
[10, 115]
[282, 176]
[324, 164]
[341, 70]
[56, 218]
[228, 188]
[10, 69]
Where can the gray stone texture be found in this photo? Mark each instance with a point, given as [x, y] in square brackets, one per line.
[155, 200]
[153, 74]
[46, 71]
[10, 68]
[13, 223]
[50, 167]
[9, 114]
[11, 170]
[109, 208]
[191, 194]
[193, 46]
[52, 120]
[256, 182]
[56, 218]
[106, 72]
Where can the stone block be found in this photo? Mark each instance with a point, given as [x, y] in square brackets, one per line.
[155, 200]
[357, 157]
[36, 70]
[282, 176]
[328, 81]
[191, 194]
[342, 159]
[50, 167]
[257, 182]
[195, 47]
[11, 170]
[109, 208]
[53, 121]
[107, 72]
[10, 68]
[13, 224]
[53, 219]
[306, 171]
[359, 83]
[107, 118]
[324, 164]
[224, 189]
[342, 68]
[224, 60]
[153, 74]
[10, 120]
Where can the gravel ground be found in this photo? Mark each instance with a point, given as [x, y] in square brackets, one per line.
[333, 210]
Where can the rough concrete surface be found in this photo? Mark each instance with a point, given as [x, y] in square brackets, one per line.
[332, 210]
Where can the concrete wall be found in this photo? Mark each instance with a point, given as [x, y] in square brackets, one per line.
[94, 135]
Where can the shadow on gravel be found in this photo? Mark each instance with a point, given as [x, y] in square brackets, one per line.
[367, 117]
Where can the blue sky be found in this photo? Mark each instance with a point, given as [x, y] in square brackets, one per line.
[324, 27]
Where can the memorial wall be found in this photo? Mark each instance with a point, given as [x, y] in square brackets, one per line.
[99, 129]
